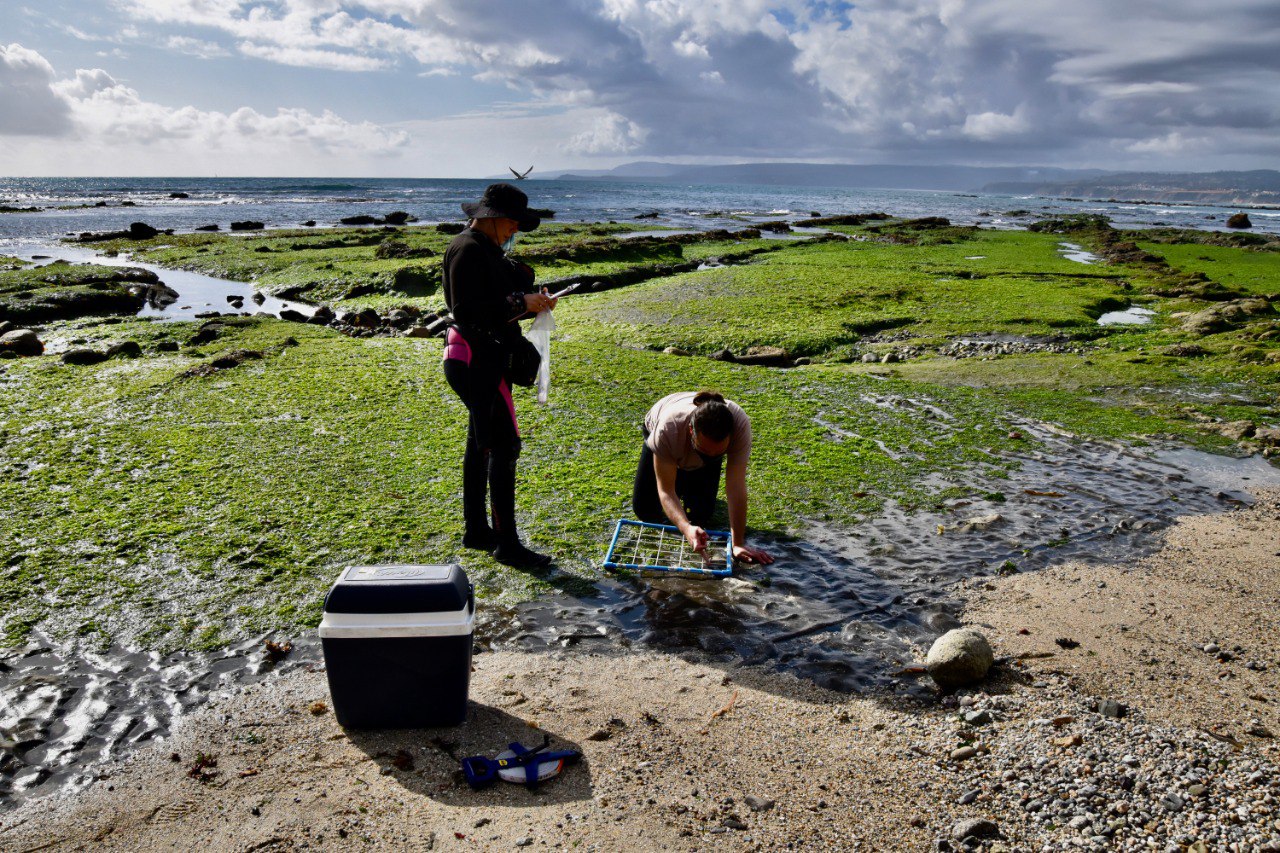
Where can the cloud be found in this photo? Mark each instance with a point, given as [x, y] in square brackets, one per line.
[311, 58]
[994, 80]
[609, 134]
[29, 106]
[989, 125]
[196, 47]
[96, 119]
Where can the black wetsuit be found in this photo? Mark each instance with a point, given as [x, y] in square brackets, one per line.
[485, 293]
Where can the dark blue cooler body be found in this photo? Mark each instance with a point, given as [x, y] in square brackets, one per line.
[397, 646]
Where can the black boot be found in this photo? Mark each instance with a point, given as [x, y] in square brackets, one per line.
[514, 553]
[502, 495]
[475, 476]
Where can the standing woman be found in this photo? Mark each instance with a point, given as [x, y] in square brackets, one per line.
[687, 438]
[486, 291]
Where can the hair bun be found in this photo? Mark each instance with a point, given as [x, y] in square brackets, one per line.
[707, 396]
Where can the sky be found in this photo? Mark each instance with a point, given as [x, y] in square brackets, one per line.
[466, 88]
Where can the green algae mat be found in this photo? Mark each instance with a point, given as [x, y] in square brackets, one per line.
[155, 501]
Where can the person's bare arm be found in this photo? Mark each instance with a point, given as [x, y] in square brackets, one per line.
[665, 471]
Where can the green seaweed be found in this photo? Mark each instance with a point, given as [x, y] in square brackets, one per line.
[167, 502]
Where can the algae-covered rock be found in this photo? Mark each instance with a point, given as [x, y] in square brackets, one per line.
[959, 658]
[416, 281]
[1239, 220]
[83, 356]
[21, 342]
[1219, 318]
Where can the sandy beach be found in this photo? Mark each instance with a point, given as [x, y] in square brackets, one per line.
[687, 754]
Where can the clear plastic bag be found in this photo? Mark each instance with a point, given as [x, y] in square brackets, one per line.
[540, 336]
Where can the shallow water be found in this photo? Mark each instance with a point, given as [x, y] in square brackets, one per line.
[848, 609]
[1131, 316]
[197, 294]
[1077, 253]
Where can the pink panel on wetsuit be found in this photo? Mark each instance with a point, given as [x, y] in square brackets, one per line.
[456, 348]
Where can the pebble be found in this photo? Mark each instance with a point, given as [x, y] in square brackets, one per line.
[758, 804]
[525, 842]
[974, 828]
[968, 797]
[964, 753]
[977, 718]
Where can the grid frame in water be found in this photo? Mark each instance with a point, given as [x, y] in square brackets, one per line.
[647, 547]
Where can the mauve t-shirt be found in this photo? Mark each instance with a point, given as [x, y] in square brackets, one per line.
[669, 438]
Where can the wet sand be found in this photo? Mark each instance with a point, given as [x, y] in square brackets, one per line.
[674, 746]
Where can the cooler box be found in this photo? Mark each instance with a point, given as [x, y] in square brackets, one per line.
[397, 646]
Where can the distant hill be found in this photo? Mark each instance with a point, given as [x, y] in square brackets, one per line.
[1260, 186]
[959, 178]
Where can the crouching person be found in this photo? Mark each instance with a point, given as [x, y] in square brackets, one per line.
[688, 438]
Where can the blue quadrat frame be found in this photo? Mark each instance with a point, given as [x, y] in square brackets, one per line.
[647, 547]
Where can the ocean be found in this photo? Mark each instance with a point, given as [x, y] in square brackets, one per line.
[72, 205]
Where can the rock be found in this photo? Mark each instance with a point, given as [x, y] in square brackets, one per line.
[1235, 430]
[167, 346]
[975, 828]
[362, 219]
[676, 351]
[247, 225]
[367, 319]
[258, 298]
[733, 823]
[1226, 315]
[21, 342]
[959, 658]
[765, 356]
[398, 217]
[1239, 220]
[723, 355]
[968, 797]
[400, 319]
[293, 316]
[964, 753]
[83, 356]
[323, 315]
[204, 335]
[758, 804]
[889, 358]
[418, 332]
[870, 358]
[179, 195]
[1112, 708]
[977, 718]
[525, 842]
[234, 358]
[450, 227]
[210, 227]
[416, 281]
[124, 349]
[310, 223]
[6, 327]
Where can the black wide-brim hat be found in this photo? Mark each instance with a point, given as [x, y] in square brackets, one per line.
[505, 201]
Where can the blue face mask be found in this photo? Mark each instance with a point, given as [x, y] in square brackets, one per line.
[509, 244]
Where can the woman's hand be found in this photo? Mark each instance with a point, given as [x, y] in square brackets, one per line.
[536, 303]
[747, 554]
[697, 539]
